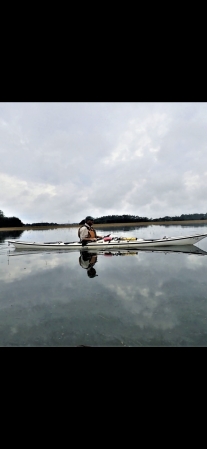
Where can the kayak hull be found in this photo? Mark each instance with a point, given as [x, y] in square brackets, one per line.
[115, 243]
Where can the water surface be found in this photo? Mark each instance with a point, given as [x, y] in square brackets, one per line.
[137, 298]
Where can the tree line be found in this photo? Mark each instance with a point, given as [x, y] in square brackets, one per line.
[43, 223]
[6, 222]
[137, 219]
[9, 222]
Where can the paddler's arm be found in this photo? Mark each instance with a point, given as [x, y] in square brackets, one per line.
[89, 238]
[93, 240]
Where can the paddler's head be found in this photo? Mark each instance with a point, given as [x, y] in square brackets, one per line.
[89, 220]
[91, 272]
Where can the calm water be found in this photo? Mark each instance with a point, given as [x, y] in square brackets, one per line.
[140, 298]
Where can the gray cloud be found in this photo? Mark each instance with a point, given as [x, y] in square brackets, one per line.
[62, 161]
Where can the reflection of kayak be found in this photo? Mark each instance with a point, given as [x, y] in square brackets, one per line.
[187, 249]
[113, 243]
[116, 253]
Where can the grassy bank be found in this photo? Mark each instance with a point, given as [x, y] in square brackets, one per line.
[108, 225]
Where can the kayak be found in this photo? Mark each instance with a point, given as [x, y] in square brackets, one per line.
[111, 243]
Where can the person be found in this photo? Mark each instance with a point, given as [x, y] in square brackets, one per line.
[86, 232]
[87, 261]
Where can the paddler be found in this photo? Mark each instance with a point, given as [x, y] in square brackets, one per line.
[88, 260]
[86, 232]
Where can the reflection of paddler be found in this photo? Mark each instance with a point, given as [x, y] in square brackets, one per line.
[87, 261]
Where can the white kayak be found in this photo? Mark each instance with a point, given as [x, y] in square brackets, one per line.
[112, 243]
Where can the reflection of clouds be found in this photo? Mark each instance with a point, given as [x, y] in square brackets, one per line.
[23, 269]
[194, 263]
[24, 265]
[148, 307]
[158, 290]
[144, 299]
[145, 292]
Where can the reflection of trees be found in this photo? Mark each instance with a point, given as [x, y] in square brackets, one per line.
[9, 235]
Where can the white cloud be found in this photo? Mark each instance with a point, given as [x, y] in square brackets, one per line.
[62, 161]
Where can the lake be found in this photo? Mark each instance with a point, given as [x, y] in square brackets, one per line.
[131, 299]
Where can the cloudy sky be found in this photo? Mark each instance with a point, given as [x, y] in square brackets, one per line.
[62, 161]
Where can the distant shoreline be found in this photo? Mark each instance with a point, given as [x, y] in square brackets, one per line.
[107, 225]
